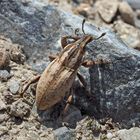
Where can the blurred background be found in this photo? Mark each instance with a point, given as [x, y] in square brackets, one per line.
[107, 13]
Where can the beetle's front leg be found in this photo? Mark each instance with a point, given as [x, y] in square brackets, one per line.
[89, 63]
[31, 81]
[64, 43]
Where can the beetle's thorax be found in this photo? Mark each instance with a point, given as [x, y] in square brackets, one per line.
[73, 53]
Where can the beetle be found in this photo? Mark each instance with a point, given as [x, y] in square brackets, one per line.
[58, 77]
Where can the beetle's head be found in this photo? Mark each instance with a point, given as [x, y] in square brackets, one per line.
[73, 53]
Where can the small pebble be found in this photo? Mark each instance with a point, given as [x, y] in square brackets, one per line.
[2, 105]
[3, 117]
[13, 86]
[4, 75]
[19, 109]
[4, 58]
[109, 135]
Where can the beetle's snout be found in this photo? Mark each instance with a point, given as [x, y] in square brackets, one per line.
[85, 40]
[88, 39]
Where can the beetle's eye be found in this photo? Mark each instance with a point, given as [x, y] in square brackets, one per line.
[77, 30]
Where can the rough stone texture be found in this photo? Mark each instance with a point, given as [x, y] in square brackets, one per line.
[115, 85]
[19, 109]
[4, 59]
[87, 129]
[124, 30]
[4, 75]
[107, 9]
[85, 10]
[126, 12]
[3, 117]
[137, 18]
[63, 133]
[73, 116]
[135, 4]
[138, 13]
[13, 86]
[2, 105]
[131, 134]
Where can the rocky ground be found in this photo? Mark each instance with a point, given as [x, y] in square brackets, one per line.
[31, 30]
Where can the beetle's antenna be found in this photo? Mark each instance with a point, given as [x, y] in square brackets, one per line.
[100, 36]
[83, 23]
[77, 29]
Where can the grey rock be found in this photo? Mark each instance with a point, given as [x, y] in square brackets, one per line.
[22, 138]
[27, 135]
[4, 59]
[3, 117]
[2, 105]
[33, 28]
[137, 19]
[107, 9]
[13, 86]
[109, 135]
[115, 85]
[19, 109]
[87, 128]
[72, 117]
[3, 130]
[4, 75]
[138, 13]
[8, 97]
[17, 55]
[131, 134]
[129, 34]
[135, 4]
[126, 12]
[32, 135]
[63, 133]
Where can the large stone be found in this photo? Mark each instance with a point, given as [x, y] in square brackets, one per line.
[126, 12]
[107, 9]
[131, 134]
[115, 85]
[135, 4]
[137, 18]
[129, 34]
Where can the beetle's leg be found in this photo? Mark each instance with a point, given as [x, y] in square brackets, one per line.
[89, 63]
[64, 39]
[84, 83]
[68, 102]
[33, 80]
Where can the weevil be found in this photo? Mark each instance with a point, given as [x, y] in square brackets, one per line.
[60, 74]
